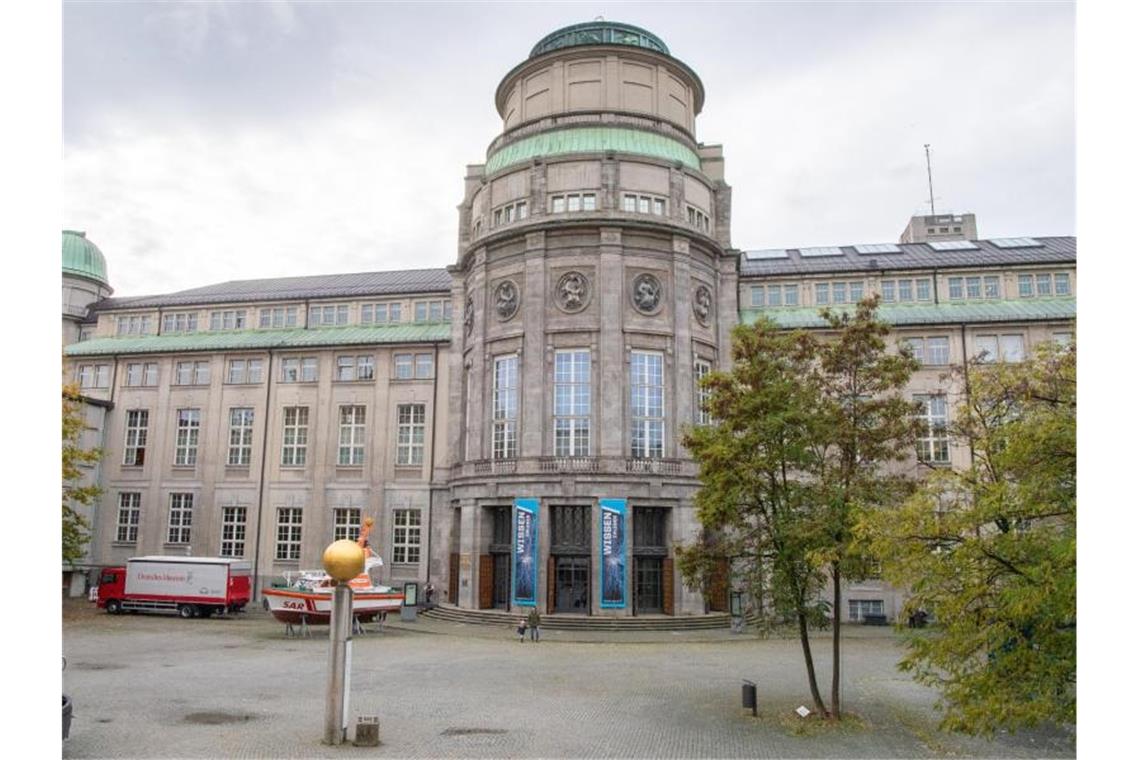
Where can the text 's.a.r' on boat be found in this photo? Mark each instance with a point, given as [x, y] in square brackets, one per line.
[306, 595]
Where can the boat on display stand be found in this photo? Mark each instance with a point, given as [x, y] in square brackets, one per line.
[306, 595]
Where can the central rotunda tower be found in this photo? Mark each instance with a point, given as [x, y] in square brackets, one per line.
[596, 285]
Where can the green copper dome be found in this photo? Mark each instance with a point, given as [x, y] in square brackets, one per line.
[83, 258]
[599, 33]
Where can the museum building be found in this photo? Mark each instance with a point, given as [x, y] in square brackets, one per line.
[512, 422]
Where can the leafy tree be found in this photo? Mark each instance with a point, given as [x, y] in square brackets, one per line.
[75, 527]
[806, 424]
[752, 504]
[863, 426]
[990, 551]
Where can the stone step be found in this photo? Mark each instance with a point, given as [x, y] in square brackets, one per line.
[502, 619]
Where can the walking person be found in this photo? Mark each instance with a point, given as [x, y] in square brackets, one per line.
[533, 621]
[521, 629]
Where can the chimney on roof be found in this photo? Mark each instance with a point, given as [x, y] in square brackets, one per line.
[929, 227]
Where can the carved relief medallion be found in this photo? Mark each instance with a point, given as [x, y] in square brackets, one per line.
[702, 304]
[646, 293]
[506, 299]
[572, 292]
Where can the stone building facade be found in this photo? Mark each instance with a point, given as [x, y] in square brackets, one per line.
[512, 422]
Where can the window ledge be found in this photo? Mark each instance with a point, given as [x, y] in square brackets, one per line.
[120, 544]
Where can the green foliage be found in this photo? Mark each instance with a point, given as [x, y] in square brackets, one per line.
[805, 423]
[75, 527]
[990, 552]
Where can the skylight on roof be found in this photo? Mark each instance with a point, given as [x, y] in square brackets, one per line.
[766, 253]
[1022, 242]
[878, 248]
[821, 250]
[952, 245]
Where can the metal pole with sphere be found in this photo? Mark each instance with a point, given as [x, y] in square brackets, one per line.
[343, 560]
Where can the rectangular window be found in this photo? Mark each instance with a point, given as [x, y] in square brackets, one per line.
[181, 517]
[856, 291]
[572, 403]
[1063, 338]
[299, 370]
[410, 423]
[350, 452]
[922, 289]
[956, 288]
[647, 404]
[94, 375]
[791, 295]
[180, 322]
[404, 366]
[192, 373]
[757, 295]
[229, 319]
[1025, 285]
[505, 408]
[424, 365]
[589, 202]
[986, 348]
[328, 316]
[239, 371]
[241, 437]
[433, 311]
[934, 440]
[186, 438]
[701, 370]
[938, 351]
[774, 295]
[916, 346]
[278, 317]
[574, 203]
[888, 289]
[295, 436]
[973, 287]
[822, 289]
[839, 292]
[905, 293]
[558, 204]
[142, 374]
[130, 506]
[1012, 348]
[1061, 284]
[1044, 285]
[346, 523]
[858, 609]
[233, 532]
[992, 286]
[288, 533]
[134, 447]
[405, 536]
[133, 325]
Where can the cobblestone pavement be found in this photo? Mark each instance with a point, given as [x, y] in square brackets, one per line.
[153, 686]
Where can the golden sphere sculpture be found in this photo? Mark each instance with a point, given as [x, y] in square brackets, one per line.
[343, 560]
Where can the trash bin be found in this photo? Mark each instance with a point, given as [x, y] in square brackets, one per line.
[748, 696]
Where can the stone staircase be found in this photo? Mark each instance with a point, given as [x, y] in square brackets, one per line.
[507, 620]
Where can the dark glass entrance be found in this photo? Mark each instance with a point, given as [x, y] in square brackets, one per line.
[572, 584]
[501, 578]
[647, 587]
[650, 560]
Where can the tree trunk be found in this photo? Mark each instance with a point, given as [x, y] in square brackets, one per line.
[835, 612]
[802, 618]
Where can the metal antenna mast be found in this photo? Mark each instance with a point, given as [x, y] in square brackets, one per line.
[929, 178]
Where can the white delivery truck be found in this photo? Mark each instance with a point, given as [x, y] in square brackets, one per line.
[190, 586]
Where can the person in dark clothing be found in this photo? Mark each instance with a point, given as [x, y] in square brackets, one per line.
[533, 621]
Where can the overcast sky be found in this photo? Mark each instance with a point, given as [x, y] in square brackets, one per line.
[207, 142]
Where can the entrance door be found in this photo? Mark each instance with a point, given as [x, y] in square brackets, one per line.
[572, 584]
[648, 596]
[501, 573]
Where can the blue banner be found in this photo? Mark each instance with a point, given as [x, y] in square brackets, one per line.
[613, 552]
[526, 553]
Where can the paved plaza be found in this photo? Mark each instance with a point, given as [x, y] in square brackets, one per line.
[151, 686]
